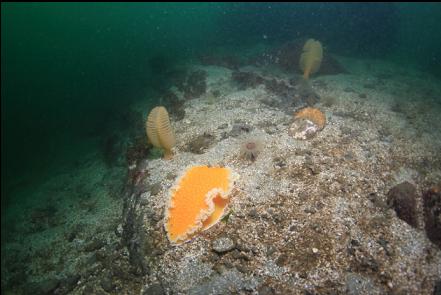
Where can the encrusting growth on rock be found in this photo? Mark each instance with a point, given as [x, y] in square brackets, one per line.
[307, 122]
[312, 114]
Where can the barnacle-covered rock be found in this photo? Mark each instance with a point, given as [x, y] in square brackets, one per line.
[307, 122]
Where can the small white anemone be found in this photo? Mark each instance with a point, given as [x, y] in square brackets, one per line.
[250, 148]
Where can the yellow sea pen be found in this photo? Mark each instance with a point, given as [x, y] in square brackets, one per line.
[159, 131]
[311, 58]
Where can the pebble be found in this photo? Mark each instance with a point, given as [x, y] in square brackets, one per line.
[119, 230]
[266, 290]
[271, 250]
[223, 244]
[106, 284]
[402, 198]
[154, 289]
[281, 260]
[155, 189]
[242, 268]
[94, 245]
[46, 286]
[253, 213]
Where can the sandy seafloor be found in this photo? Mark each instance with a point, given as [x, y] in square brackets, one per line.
[306, 217]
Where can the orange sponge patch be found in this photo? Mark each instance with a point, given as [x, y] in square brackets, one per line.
[197, 201]
[312, 114]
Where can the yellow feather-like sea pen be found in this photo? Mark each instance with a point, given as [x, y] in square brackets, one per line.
[159, 130]
[311, 58]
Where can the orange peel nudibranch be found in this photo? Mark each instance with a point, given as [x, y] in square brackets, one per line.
[197, 201]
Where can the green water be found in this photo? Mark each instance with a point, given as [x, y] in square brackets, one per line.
[69, 69]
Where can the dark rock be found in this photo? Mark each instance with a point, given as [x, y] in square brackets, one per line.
[357, 284]
[281, 260]
[402, 198]
[88, 289]
[307, 93]
[279, 162]
[377, 200]
[92, 259]
[94, 245]
[229, 282]
[195, 85]
[216, 93]
[101, 255]
[67, 284]
[242, 268]
[253, 213]
[282, 90]
[328, 101]
[362, 95]
[241, 246]
[292, 228]
[432, 214]
[174, 105]
[154, 289]
[236, 254]
[271, 250]
[385, 245]
[107, 284]
[111, 149]
[43, 218]
[315, 169]
[240, 128]
[310, 210]
[246, 80]
[437, 289]
[201, 143]
[266, 290]
[294, 81]
[288, 95]
[72, 235]
[44, 287]
[171, 176]
[363, 261]
[137, 151]
[219, 268]
[134, 237]
[119, 230]
[155, 189]
[312, 99]
[368, 263]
